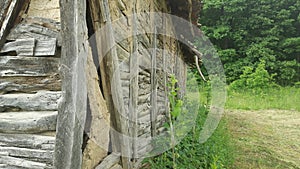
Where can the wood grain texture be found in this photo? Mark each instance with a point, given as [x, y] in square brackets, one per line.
[18, 163]
[31, 47]
[29, 141]
[37, 28]
[41, 101]
[98, 132]
[28, 66]
[109, 161]
[73, 107]
[10, 15]
[29, 84]
[27, 122]
[44, 156]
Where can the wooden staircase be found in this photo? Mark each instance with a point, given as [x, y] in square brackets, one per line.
[29, 95]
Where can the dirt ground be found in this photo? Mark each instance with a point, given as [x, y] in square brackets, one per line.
[265, 139]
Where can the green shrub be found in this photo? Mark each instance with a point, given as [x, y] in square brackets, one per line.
[254, 79]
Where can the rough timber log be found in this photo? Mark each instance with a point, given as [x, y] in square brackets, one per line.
[27, 122]
[98, 133]
[18, 163]
[41, 101]
[37, 28]
[28, 66]
[109, 161]
[30, 84]
[27, 141]
[31, 47]
[10, 14]
[72, 110]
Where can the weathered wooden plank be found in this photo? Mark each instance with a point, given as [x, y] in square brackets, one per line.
[37, 28]
[113, 90]
[73, 108]
[41, 101]
[45, 47]
[98, 132]
[45, 22]
[31, 47]
[117, 166]
[10, 17]
[154, 82]
[27, 122]
[134, 85]
[4, 4]
[44, 9]
[18, 162]
[109, 161]
[99, 16]
[23, 47]
[29, 84]
[28, 66]
[122, 118]
[27, 141]
[30, 154]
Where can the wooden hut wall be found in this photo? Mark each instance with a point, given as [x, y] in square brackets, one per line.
[136, 71]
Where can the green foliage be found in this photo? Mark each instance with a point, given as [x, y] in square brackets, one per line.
[175, 102]
[216, 153]
[254, 79]
[245, 32]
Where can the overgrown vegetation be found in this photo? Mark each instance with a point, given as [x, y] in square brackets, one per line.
[247, 32]
[259, 45]
[257, 90]
[216, 153]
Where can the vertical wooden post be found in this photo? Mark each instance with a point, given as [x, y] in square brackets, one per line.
[153, 75]
[72, 109]
[134, 86]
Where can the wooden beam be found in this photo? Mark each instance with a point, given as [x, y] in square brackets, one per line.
[31, 47]
[12, 66]
[109, 161]
[14, 8]
[44, 156]
[98, 132]
[13, 162]
[73, 107]
[26, 84]
[27, 141]
[40, 101]
[153, 75]
[111, 78]
[27, 122]
[134, 83]
[39, 29]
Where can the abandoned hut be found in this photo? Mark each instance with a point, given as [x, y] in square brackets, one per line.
[84, 83]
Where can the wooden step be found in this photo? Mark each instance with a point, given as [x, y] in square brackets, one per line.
[19, 163]
[40, 101]
[26, 151]
[27, 122]
[29, 84]
[28, 66]
[31, 47]
[27, 141]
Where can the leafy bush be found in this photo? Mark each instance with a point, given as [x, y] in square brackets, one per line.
[254, 79]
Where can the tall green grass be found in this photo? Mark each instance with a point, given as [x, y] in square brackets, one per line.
[282, 98]
[216, 153]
